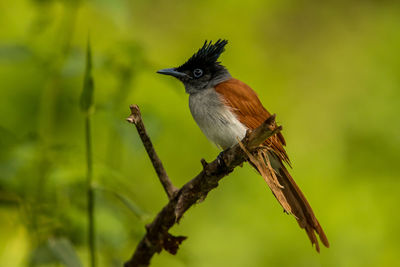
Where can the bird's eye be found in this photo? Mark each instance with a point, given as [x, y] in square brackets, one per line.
[197, 73]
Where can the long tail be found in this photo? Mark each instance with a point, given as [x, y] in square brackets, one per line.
[287, 193]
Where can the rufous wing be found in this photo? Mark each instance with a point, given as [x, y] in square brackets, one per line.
[244, 103]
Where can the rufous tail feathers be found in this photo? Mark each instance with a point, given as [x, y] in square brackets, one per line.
[287, 192]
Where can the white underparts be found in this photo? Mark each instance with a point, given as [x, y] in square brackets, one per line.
[216, 120]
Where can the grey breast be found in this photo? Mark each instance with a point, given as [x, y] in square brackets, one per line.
[215, 119]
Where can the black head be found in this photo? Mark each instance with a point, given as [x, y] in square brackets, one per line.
[202, 70]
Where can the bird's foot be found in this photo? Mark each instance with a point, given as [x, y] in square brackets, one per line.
[221, 161]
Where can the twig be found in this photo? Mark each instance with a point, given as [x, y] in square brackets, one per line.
[136, 118]
[157, 237]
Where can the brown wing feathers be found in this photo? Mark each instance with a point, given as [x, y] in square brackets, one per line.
[247, 107]
[249, 110]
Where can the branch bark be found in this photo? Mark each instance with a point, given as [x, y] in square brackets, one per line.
[157, 236]
[136, 118]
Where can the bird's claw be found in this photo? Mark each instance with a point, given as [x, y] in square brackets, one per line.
[221, 161]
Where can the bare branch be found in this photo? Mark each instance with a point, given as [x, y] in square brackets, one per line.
[157, 237]
[136, 118]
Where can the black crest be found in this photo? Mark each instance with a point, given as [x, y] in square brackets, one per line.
[207, 56]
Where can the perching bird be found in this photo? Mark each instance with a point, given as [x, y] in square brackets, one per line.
[224, 108]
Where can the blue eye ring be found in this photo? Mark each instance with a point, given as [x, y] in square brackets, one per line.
[197, 73]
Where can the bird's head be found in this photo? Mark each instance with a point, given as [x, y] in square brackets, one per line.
[202, 70]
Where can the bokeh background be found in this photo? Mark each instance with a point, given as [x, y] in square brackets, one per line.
[329, 69]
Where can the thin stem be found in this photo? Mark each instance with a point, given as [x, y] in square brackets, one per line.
[90, 194]
[136, 118]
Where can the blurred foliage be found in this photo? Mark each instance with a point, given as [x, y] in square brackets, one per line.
[329, 69]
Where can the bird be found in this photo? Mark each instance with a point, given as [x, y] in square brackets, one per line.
[225, 108]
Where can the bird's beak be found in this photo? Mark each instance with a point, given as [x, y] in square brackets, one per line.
[172, 72]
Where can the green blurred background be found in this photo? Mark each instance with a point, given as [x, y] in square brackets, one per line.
[329, 69]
